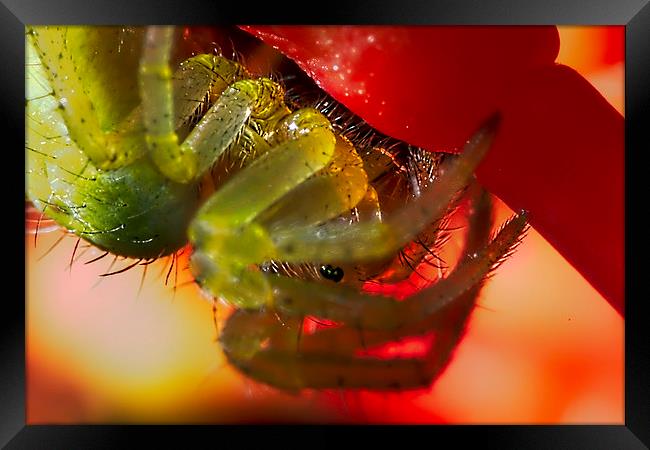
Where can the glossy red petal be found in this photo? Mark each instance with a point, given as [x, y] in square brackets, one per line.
[429, 86]
[559, 153]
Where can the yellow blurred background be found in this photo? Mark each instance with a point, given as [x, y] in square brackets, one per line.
[542, 346]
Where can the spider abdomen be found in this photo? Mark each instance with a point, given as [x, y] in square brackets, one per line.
[132, 211]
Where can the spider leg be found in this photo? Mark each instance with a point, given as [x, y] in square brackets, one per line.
[225, 236]
[219, 128]
[345, 304]
[260, 346]
[78, 62]
[335, 242]
[477, 237]
[339, 187]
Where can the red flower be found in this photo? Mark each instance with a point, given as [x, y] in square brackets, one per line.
[559, 152]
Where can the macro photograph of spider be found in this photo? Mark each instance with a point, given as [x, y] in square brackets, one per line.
[323, 224]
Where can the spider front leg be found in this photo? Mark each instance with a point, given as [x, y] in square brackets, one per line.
[259, 345]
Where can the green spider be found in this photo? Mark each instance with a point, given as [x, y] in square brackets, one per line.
[124, 169]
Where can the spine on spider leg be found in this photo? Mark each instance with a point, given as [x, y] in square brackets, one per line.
[450, 322]
[472, 271]
[455, 174]
[478, 237]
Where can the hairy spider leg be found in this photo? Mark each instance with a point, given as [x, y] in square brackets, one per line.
[242, 102]
[346, 340]
[344, 304]
[293, 369]
[374, 240]
[260, 346]
[228, 242]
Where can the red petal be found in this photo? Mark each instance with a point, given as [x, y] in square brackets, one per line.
[417, 84]
[559, 153]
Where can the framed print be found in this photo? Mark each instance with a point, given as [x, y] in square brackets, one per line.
[402, 220]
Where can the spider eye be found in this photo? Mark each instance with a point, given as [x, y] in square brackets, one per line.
[331, 273]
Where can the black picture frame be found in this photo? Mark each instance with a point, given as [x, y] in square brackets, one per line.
[633, 14]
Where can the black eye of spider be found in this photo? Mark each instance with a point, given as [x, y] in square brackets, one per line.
[331, 273]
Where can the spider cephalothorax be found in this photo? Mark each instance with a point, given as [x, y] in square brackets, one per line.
[307, 205]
